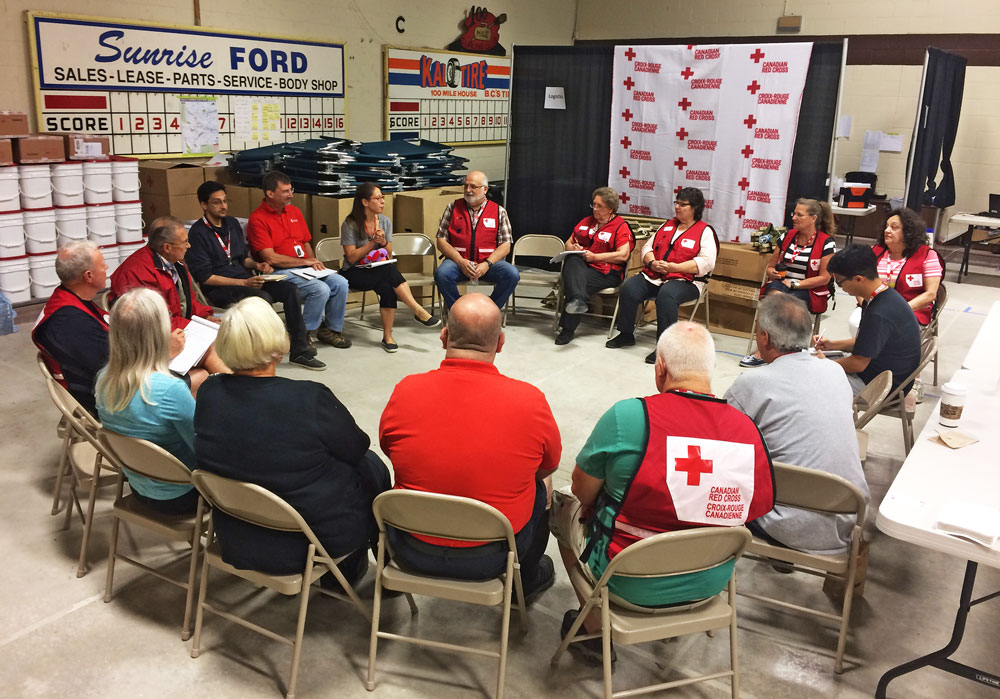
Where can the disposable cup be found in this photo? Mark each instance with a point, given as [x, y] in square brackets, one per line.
[952, 402]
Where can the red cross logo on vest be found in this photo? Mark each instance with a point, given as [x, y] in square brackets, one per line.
[750, 121]
[630, 54]
[627, 114]
[757, 55]
[687, 72]
[693, 465]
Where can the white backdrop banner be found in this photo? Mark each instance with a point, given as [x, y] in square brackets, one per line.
[719, 118]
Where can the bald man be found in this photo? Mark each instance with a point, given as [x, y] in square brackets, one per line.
[475, 239]
[498, 454]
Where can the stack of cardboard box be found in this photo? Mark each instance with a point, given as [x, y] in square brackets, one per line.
[734, 289]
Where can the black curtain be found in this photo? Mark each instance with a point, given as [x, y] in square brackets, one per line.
[939, 109]
[557, 157]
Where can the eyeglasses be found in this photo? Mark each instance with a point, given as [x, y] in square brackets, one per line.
[600, 205]
[473, 186]
[682, 203]
[378, 198]
[839, 281]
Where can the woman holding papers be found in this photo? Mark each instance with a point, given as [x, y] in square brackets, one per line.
[367, 239]
[138, 397]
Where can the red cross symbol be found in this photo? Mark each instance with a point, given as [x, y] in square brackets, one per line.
[628, 82]
[691, 46]
[757, 55]
[740, 212]
[747, 151]
[682, 134]
[680, 163]
[752, 87]
[750, 121]
[623, 198]
[624, 172]
[627, 114]
[677, 190]
[687, 72]
[626, 142]
[693, 465]
[743, 183]
[630, 54]
[684, 104]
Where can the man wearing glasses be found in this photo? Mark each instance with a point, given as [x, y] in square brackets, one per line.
[475, 238]
[220, 262]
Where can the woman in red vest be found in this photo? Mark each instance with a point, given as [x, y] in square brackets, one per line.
[676, 263]
[605, 242]
[908, 264]
[798, 266]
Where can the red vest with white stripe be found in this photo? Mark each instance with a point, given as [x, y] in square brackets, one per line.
[686, 247]
[910, 280]
[606, 238]
[483, 240]
[705, 464]
[818, 296]
[63, 297]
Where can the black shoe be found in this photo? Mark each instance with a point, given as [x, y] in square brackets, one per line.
[431, 322]
[389, 347]
[545, 576]
[306, 362]
[564, 337]
[651, 357]
[309, 350]
[749, 361]
[620, 340]
[590, 651]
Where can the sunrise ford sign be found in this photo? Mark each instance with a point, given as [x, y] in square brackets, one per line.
[97, 54]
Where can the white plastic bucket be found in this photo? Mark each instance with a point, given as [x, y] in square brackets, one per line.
[15, 281]
[36, 186]
[97, 182]
[71, 224]
[10, 193]
[67, 184]
[101, 223]
[125, 250]
[111, 257]
[42, 273]
[39, 230]
[125, 180]
[128, 221]
[11, 234]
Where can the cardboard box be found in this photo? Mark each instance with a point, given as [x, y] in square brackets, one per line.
[420, 211]
[184, 207]
[14, 124]
[165, 178]
[304, 204]
[30, 150]
[242, 200]
[85, 146]
[735, 291]
[740, 261]
[327, 215]
[728, 316]
[219, 173]
[6, 152]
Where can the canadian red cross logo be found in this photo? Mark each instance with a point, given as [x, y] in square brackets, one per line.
[752, 87]
[624, 172]
[628, 83]
[687, 72]
[626, 142]
[693, 465]
[740, 212]
[682, 134]
[743, 183]
[757, 55]
[677, 190]
[750, 121]
[680, 163]
[623, 198]
[627, 114]
[684, 104]
[630, 54]
[691, 46]
[747, 151]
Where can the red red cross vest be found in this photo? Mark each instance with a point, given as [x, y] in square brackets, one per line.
[705, 464]
[63, 297]
[818, 296]
[483, 240]
[607, 238]
[686, 247]
[910, 280]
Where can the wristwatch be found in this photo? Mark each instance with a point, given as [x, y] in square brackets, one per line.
[795, 283]
[489, 265]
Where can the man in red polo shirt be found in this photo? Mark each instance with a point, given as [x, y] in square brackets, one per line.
[279, 236]
[498, 455]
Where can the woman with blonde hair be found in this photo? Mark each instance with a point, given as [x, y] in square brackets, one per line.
[293, 438]
[138, 396]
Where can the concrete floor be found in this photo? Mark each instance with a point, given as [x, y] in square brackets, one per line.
[58, 638]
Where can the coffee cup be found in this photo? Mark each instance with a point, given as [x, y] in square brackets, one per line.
[952, 402]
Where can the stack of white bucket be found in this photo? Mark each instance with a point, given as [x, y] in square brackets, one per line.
[43, 208]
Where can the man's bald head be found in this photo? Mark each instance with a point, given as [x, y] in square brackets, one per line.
[473, 330]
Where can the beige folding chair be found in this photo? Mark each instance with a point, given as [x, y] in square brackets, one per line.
[256, 505]
[817, 317]
[150, 460]
[693, 305]
[417, 245]
[101, 300]
[449, 517]
[818, 491]
[894, 404]
[932, 328]
[668, 554]
[84, 459]
[866, 406]
[533, 245]
[62, 428]
[331, 253]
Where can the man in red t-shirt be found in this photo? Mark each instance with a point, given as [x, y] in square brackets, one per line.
[499, 455]
[279, 236]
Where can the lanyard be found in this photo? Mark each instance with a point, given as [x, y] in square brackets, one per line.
[795, 249]
[225, 247]
[881, 287]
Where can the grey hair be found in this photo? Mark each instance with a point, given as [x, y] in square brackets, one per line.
[687, 349]
[786, 321]
[608, 196]
[74, 260]
[251, 335]
[161, 231]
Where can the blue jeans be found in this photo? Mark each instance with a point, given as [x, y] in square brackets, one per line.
[318, 295]
[502, 275]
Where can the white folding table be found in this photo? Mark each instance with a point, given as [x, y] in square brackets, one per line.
[972, 221]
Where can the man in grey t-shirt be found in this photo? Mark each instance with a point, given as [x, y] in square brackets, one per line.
[802, 406]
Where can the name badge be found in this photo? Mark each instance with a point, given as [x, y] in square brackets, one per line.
[582, 228]
[668, 229]
[490, 222]
[914, 279]
[293, 220]
[814, 265]
[604, 235]
[299, 252]
[687, 243]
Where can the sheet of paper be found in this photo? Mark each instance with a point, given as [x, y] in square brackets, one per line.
[198, 337]
[310, 273]
[869, 152]
[891, 143]
[564, 254]
[555, 98]
[844, 126]
[241, 117]
[200, 125]
[273, 277]
[372, 265]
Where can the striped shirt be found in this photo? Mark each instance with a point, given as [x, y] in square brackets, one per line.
[796, 257]
[888, 269]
